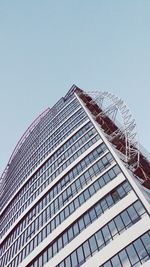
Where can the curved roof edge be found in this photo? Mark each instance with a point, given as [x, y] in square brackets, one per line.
[22, 140]
[29, 130]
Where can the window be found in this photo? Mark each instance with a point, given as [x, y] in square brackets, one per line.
[119, 223]
[92, 214]
[132, 254]
[65, 238]
[67, 262]
[133, 214]
[139, 207]
[106, 234]
[55, 248]
[112, 228]
[93, 245]
[115, 261]
[124, 259]
[107, 264]
[100, 239]
[115, 196]
[45, 257]
[80, 256]
[74, 259]
[75, 229]
[140, 249]
[87, 219]
[86, 249]
[70, 234]
[145, 239]
[98, 209]
[126, 219]
[109, 200]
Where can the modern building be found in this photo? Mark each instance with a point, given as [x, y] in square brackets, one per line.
[75, 191]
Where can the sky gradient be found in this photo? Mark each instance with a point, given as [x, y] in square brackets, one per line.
[46, 46]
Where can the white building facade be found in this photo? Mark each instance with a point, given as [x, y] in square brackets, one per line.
[68, 199]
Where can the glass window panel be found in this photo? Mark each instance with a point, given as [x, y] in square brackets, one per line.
[112, 228]
[39, 237]
[116, 169]
[36, 263]
[109, 157]
[82, 179]
[104, 204]
[77, 183]
[57, 220]
[91, 171]
[106, 233]
[44, 232]
[76, 203]
[93, 245]
[48, 228]
[87, 219]
[109, 200]
[67, 261]
[126, 186]
[40, 261]
[75, 229]
[62, 216]
[140, 249]
[54, 248]
[45, 257]
[115, 195]
[101, 182]
[81, 199]
[71, 207]
[119, 223]
[95, 167]
[115, 261]
[60, 243]
[92, 214]
[81, 224]
[80, 256]
[146, 241]
[132, 213]
[86, 249]
[70, 234]
[52, 225]
[73, 259]
[107, 264]
[111, 174]
[99, 238]
[66, 212]
[124, 259]
[65, 238]
[98, 209]
[96, 185]
[132, 254]
[125, 217]
[87, 175]
[91, 190]
[139, 207]
[106, 178]
[62, 264]
[49, 253]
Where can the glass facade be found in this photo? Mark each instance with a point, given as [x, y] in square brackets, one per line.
[63, 180]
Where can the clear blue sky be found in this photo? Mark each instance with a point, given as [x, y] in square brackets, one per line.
[46, 46]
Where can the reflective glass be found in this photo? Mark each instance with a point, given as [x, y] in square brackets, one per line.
[115, 261]
[100, 239]
[86, 249]
[74, 259]
[80, 255]
[124, 259]
[132, 254]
